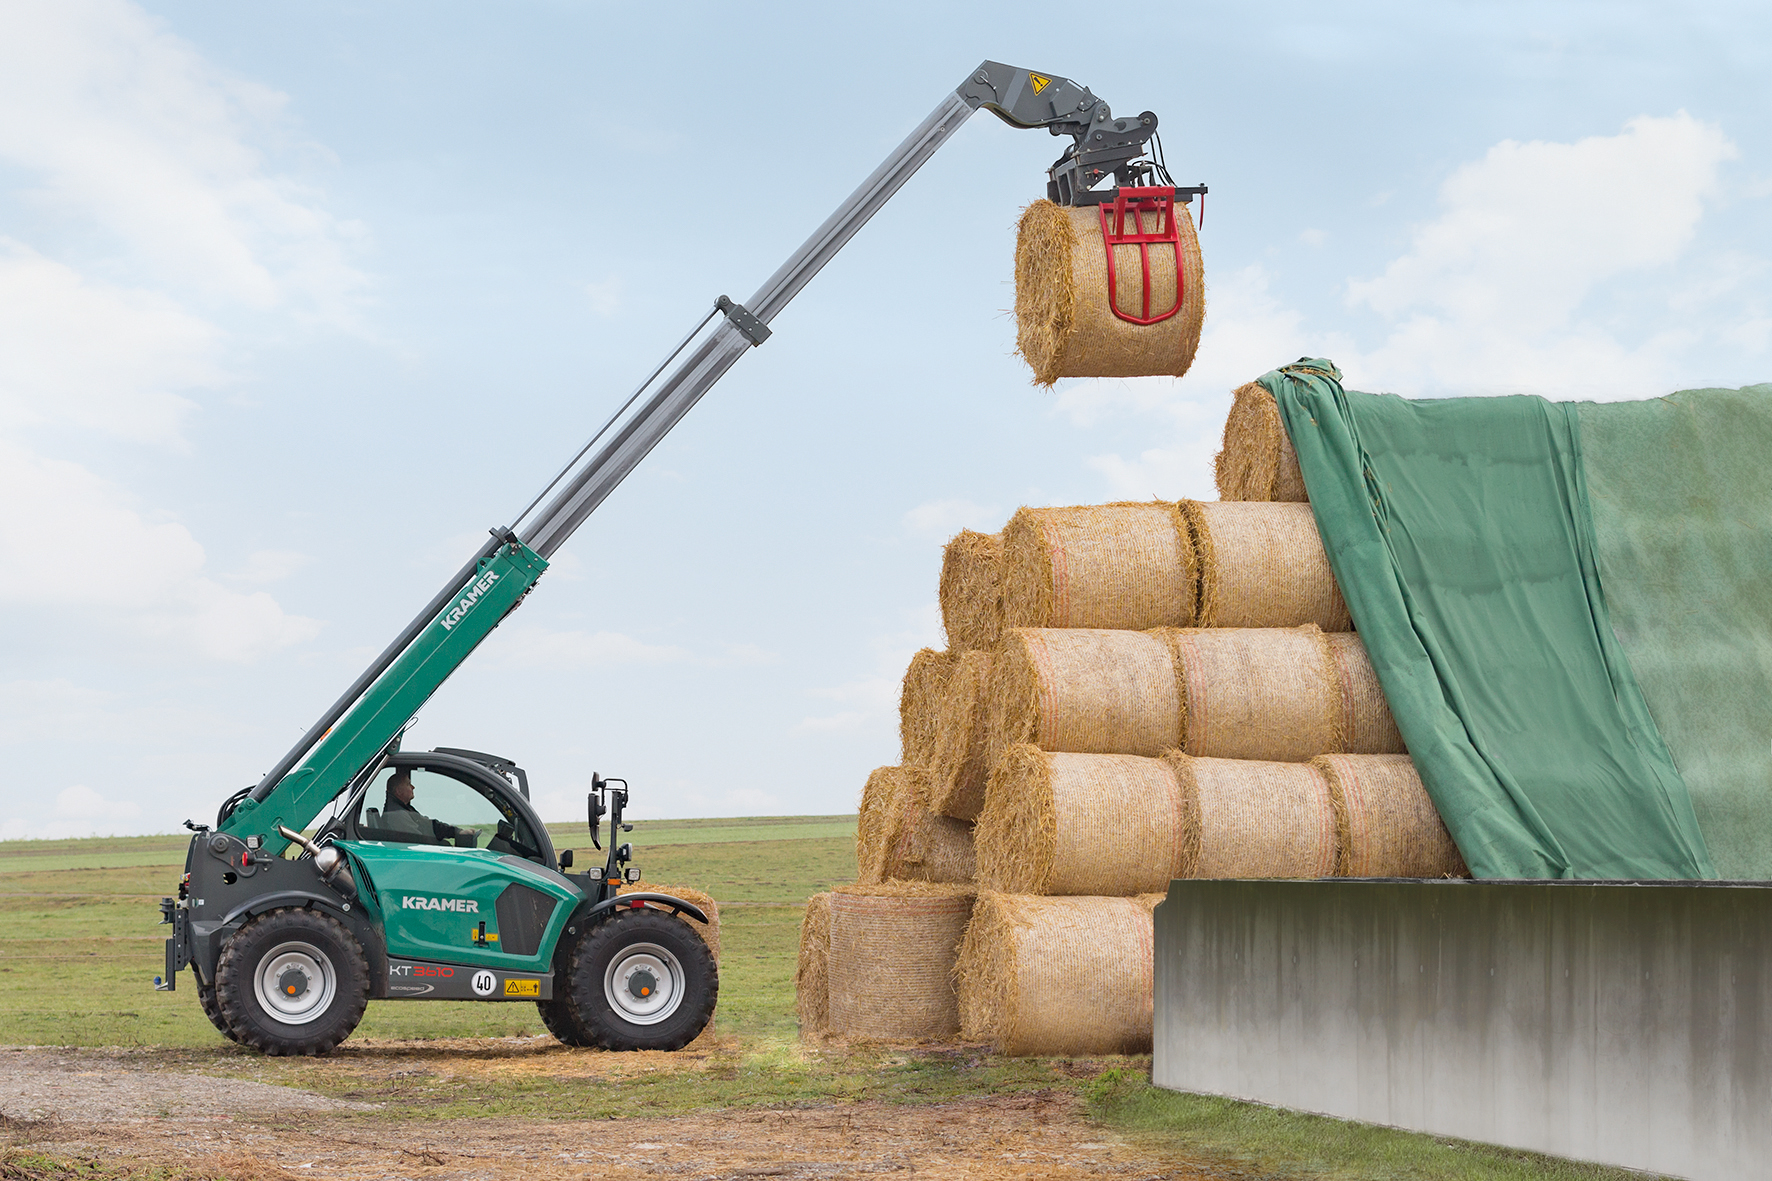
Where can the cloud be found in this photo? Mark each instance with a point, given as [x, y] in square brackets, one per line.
[270, 565]
[91, 812]
[873, 696]
[941, 519]
[127, 126]
[135, 574]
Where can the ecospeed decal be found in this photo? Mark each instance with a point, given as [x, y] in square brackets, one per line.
[420, 902]
[466, 603]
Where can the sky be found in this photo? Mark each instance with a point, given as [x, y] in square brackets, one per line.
[298, 299]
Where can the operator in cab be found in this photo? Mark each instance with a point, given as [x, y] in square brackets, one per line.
[398, 815]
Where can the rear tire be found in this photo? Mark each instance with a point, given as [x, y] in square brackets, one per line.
[212, 1010]
[292, 981]
[642, 980]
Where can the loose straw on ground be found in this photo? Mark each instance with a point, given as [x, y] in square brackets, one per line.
[892, 960]
[1125, 565]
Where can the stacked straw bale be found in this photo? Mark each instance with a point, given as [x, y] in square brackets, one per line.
[1367, 727]
[1113, 565]
[883, 799]
[812, 984]
[1255, 819]
[709, 931]
[919, 704]
[961, 767]
[1058, 975]
[891, 961]
[1262, 565]
[1084, 691]
[1257, 462]
[1390, 829]
[1064, 323]
[971, 590]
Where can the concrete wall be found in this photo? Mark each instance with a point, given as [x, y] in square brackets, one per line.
[1623, 1023]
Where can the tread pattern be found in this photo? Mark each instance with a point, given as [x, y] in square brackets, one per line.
[239, 960]
[594, 950]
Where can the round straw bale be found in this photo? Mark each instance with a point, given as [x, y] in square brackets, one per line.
[1128, 565]
[960, 767]
[1393, 829]
[1058, 975]
[1257, 692]
[812, 985]
[882, 802]
[709, 931]
[971, 589]
[919, 704]
[1064, 326]
[931, 847]
[892, 959]
[1085, 690]
[1367, 727]
[1081, 824]
[1249, 819]
[1258, 462]
[1262, 565]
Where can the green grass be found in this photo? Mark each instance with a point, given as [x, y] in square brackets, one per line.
[79, 943]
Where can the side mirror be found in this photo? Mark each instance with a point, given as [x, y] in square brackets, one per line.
[594, 807]
[566, 859]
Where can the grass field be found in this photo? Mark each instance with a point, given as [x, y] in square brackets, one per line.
[79, 945]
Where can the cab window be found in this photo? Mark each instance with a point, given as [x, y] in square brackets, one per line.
[416, 806]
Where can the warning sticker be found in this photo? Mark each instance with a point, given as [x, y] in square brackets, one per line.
[1039, 82]
[522, 988]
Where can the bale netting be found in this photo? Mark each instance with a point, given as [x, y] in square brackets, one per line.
[1250, 819]
[1367, 727]
[1058, 975]
[919, 704]
[883, 799]
[1393, 829]
[1085, 690]
[1257, 693]
[1081, 824]
[1257, 462]
[812, 985]
[709, 931]
[1064, 324]
[1262, 565]
[892, 959]
[1128, 565]
[930, 847]
[971, 591]
[960, 768]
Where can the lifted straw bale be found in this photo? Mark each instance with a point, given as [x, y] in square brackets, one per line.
[1064, 326]
[1058, 975]
[1367, 727]
[882, 801]
[919, 704]
[1128, 565]
[812, 985]
[709, 931]
[1249, 819]
[971, 589]
[1393, 829]
[960, 768]
[1262, 565]
[1258, 462]
[1085, 690]
[892, 959]
[1257, 693]
[1081, 824]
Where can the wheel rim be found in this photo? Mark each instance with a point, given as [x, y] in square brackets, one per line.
[645, 983]
[295, 983]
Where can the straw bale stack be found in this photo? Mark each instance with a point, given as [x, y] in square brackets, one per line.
[1262, 565]
[883, 799]
[961, 767]
[1085, 690]
[1367, 727]
[891, 962]
[1064, 324]
[812, 985]
[1128, 565]
[1058, 975]
[919, 704]
[971, 590]
[1258, 462]
[1257, 693]
[1392, 827]
[1082, 824]
[930, 847]
[709, 931]
[1249, 819]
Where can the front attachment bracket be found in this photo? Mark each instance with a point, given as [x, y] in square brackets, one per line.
[754, 330]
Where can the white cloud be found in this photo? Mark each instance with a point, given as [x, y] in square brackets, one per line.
[941, 519]
[270, 565]
[93, 812]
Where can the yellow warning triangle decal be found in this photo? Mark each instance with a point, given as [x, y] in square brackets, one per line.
[1039, 82]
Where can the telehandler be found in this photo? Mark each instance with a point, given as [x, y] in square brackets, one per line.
[429, 876]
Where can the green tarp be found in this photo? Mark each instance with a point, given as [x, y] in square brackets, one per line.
[1681, 495]
[1460, 534]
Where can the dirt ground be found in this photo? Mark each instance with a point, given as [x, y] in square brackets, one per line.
[119, 1109]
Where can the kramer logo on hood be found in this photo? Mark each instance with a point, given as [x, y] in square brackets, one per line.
[466, 603]
[419, 902]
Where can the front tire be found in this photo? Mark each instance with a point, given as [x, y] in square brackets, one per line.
[292, 981]
[212, 1010]
[643, 980]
